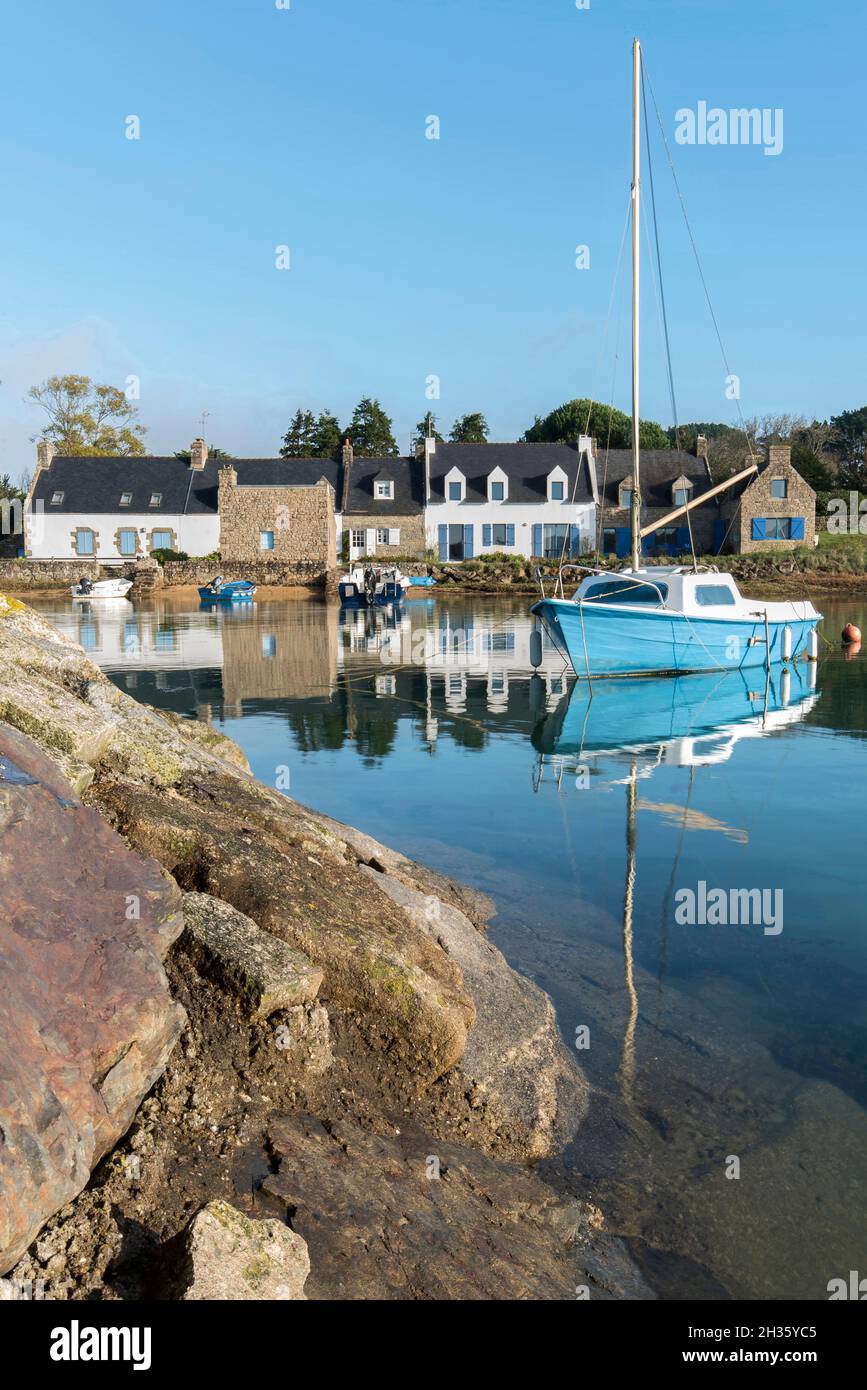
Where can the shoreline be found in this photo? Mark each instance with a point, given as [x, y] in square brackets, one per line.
[307, 998]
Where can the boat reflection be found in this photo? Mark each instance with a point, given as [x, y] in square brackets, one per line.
[686, 721]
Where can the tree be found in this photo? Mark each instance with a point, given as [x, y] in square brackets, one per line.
[427, 428]
[213, 453]
[298, 439]
[8, 491]
[309, 437]
[470, 429]
[87, 419]
[609, 427]
[370, 431]
[850, 445]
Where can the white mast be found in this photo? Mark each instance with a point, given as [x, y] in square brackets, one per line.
[635, 516]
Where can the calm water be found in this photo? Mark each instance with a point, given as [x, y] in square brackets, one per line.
[713, 1049]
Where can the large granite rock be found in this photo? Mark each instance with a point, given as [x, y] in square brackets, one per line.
[86, 1021]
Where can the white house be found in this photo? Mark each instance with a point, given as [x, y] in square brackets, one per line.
[115, 509]
[525, 499]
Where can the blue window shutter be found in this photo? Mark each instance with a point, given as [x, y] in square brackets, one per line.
[682, 546]
[537, 539]
[443, 542]
[757, 531]
[486, 535]
[574, 542]
[797, 528]
[622, 541]
[719, 535]
[468, 542]
[510, 535]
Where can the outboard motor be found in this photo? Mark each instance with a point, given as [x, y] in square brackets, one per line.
[85, 585]
[370, 584]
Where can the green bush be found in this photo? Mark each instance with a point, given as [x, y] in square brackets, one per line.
[164, 553]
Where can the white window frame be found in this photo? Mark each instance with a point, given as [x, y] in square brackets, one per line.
[497, 475]
[384, 490]
[156, 499]
[558, 475]
[356, 538]
[126, 499]
[382, 534]
[56, 499]
[620, 494]
[455, 475]
[680, 496]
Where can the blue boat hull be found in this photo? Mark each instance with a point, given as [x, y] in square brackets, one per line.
[236, 591]
[624, 642]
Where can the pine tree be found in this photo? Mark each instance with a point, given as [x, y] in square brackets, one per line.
[470, 429]
[370, 431]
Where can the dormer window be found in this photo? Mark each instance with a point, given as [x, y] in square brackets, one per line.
[56, 499]
[156, 499]
[126, 499]
[384, 491]
[625, 495]
[455, 485]
[681, 491]
[498, 486]
[557, 485]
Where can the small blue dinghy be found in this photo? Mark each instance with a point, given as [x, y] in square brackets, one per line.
[222, 590]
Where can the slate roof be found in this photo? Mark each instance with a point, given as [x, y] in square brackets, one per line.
[660, 470]
[526, 466]
[95, 485]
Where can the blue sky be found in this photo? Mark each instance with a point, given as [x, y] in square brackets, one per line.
[412, 257]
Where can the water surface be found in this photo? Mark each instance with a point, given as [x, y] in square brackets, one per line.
[712, 1048]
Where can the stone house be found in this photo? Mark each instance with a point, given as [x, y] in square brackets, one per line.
[669, 479]
[775, 510]
[381, 508]
[287, 521]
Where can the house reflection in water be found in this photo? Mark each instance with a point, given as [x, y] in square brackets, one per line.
[460, 668]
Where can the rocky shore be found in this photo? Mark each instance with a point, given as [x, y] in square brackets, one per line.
[248, 1052]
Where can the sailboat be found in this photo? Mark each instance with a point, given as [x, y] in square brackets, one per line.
[667, 619]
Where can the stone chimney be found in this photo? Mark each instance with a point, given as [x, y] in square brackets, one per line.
[430, 448]
[701, 446]
[45, 452]
[228, 475]
[779, 455]
[346, 456]
[198, 453]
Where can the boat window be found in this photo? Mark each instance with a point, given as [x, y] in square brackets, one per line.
[627, 591]
[713, 595]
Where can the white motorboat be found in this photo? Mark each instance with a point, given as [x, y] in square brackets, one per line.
[100, 588]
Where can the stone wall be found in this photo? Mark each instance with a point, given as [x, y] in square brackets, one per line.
[18, 575]
[701, 519]
[301, 520]
[281, 573]
[756, 500]
[412, 541]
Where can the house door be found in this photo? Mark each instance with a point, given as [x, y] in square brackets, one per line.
[361, 542]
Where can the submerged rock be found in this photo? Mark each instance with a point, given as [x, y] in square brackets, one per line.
[228, 1256]
[514, 1060]
[86, 1019]
[406, 1217]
